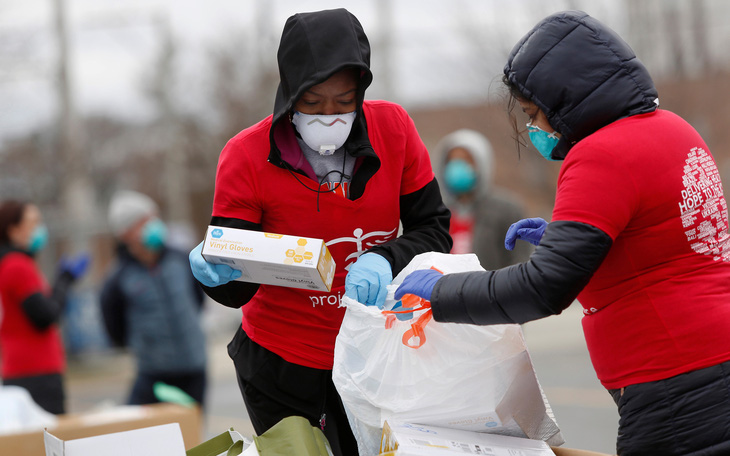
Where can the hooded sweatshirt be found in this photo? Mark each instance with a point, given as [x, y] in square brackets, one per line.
[479, 223]
[264, 182]
[639, 231]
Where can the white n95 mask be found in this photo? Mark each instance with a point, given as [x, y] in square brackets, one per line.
[322, 133]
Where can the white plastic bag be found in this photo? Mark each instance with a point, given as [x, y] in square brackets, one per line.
[477, 378]
[18, 412]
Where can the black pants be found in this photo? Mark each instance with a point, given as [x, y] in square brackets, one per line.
[688, 414]
[46, 390]
[274, 389]
[192, 383]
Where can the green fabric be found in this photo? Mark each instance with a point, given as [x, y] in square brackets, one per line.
[216, 446]
[168, 393]
[293, 436]
[236, 449]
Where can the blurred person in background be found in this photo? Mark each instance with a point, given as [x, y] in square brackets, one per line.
[326, 165]
[151, 303]
[481, 212]
[31, 347]
[639, 235]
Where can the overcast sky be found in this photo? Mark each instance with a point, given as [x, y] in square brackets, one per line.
[441, 51]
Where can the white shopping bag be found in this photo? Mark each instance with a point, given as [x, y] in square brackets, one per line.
[476, 378]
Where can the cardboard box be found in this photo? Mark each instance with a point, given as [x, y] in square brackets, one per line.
[117, 419]
[573, 452]
[402, 439]
[274, 259]
[163, 440]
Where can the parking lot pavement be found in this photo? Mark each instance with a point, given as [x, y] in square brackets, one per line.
[584, 410]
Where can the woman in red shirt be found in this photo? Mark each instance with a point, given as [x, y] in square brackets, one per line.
[331, 165]
[639, 235]
[30, 343]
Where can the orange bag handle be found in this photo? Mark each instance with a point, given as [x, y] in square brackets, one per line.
[417, 330]
[412, 303]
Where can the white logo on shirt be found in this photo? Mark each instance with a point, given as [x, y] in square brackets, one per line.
[376, 238]
[329, 299]
[703, 208]
[362, 242]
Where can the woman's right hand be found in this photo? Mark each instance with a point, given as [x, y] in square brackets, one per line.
[209, 274]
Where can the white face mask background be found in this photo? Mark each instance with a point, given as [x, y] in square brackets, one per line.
[324, 133]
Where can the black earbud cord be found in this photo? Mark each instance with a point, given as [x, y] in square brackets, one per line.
[318, 190]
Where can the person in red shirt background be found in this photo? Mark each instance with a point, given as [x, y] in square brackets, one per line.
[328, 164]
[639, 235]
[31, 348]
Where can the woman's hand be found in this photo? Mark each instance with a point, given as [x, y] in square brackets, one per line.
[530, 230]
[209, 274]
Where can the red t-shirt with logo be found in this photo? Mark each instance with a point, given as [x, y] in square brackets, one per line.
[659, 305]
[301, 325]
[24, 349]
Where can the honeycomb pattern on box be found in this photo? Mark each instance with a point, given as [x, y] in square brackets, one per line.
[299, 254]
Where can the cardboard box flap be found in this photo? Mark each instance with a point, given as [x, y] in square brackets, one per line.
[163, 440]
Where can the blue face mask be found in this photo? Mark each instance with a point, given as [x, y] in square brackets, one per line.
[154, 234]
[543, 141]
[459, 177]
[38, 239]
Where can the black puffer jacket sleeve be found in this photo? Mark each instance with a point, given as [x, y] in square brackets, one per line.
[425, 221]
[235, 293]
[568, 255]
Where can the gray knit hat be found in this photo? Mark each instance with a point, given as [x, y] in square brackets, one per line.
[127, 208]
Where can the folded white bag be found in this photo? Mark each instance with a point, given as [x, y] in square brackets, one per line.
[476, 378]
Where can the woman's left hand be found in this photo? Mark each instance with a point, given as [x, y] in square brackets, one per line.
[529, 229]
[367, 280]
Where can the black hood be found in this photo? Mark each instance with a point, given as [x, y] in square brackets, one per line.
[313, 47]
[581, 74]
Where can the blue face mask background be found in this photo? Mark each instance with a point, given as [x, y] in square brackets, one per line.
[154, 234]
[38, 239]
[459, 176]
[543, 141]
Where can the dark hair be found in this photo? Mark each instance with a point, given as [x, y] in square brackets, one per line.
[11, 213]
[514, 95]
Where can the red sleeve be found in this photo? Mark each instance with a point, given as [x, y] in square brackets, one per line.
[21, 277]
[236, 193]
[417, 171]
[594, 187]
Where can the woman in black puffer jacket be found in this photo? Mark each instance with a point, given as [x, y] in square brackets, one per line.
[639, 235]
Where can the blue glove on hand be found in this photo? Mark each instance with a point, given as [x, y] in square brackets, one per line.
[75, 266]
[367, 280]
[419, 283]
[209, 274]
[530, 230]
[405, 316]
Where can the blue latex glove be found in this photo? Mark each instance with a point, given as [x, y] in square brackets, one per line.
[367, 280]
[401, 316]
[419, 283]
[529, 229]
[76, 266]
[209, 274]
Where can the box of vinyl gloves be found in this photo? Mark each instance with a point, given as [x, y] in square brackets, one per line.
[273, 259]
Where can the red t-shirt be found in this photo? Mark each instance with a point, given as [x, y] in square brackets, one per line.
[26, 350]
[301, 325]
[659, 305]
[461, 230]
